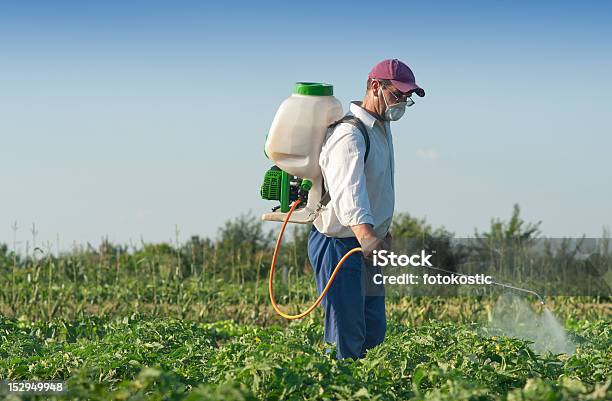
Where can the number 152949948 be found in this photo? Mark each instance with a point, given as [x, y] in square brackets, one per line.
[33, 387]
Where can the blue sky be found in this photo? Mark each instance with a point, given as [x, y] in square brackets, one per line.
[127, 119]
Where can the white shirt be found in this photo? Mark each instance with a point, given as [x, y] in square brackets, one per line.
[358, 196]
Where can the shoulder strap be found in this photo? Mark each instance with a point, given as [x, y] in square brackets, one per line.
[356, 122]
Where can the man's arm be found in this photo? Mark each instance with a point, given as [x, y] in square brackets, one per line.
[368, 240]
[342, 166]
[343, 169]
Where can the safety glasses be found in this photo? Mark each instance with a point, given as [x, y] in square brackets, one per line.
[400, 97]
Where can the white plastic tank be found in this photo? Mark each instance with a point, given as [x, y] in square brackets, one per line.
[298, 130]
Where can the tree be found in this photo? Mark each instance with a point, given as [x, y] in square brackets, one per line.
[515, 229]
[244, 231]
[406, 226]
[411, 234]
[506, 245]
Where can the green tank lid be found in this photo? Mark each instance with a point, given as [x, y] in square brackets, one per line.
[313, 89]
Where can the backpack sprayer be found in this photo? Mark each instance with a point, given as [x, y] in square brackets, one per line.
[294, 143]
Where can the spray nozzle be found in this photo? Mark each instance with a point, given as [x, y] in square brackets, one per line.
[303, 188]
[305, 185]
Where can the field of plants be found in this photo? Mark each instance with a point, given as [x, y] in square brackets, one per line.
[192, 321]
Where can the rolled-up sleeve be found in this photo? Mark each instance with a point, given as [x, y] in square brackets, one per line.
[342, 166]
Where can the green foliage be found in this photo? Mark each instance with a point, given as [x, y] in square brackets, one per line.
[167, 359]
[7, 258]
[192, 321]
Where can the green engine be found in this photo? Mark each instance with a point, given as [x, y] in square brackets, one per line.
[280, 186]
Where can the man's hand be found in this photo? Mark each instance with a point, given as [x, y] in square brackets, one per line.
[389, 239]
[368, 240]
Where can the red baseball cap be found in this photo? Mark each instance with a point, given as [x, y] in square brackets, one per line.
[398, 73]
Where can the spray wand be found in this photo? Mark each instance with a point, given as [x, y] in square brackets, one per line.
[540, 298]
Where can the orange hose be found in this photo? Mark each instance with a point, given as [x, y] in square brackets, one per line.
[331, 279]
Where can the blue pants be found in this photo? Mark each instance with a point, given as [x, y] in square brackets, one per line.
[354, 320]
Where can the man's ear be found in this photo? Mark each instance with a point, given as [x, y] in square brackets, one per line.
[375, 87]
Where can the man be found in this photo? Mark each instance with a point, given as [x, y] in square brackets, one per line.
[360, 210]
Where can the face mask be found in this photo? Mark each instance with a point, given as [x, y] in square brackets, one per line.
[395, 111]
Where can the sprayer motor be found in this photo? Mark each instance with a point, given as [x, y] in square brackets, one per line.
[281, 186]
